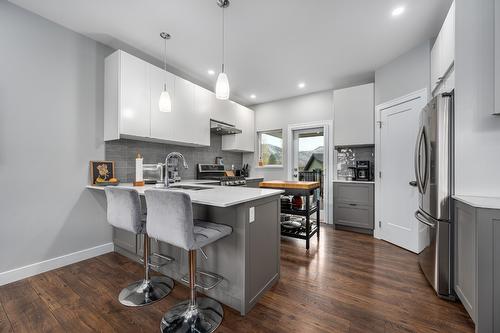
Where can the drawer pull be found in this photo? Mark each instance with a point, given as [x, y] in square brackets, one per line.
[353, 204]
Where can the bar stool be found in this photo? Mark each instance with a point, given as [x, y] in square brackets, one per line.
[170, 219]
[124, 212]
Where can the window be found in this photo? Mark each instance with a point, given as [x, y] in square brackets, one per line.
[271, 148]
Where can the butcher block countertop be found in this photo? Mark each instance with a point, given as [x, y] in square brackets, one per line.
[289, 184]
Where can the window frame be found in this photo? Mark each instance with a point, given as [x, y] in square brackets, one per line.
[259, 149]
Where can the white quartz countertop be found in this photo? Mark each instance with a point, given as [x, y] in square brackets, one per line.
[218, 196]
[352, 181]
[479, 202]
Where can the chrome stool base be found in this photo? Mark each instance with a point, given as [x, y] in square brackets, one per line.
[146, 292]
[204, 317]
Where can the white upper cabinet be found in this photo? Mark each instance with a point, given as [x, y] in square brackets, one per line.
[354, 116]
[162, 123]
[132, 90]
[192, 122]
[443, 51]
[134, 96]
[204, 101]
[224, 111]
[245, 121]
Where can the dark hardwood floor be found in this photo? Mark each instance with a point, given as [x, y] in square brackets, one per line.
[347, 283]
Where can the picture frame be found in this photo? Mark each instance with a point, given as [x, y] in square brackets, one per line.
[104, 170]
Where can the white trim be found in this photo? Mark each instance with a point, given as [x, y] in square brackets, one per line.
[378, 109]
[50, 264]
[327, 126]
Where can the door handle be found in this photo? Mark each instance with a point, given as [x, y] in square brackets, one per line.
[413, 183]
[422, 219]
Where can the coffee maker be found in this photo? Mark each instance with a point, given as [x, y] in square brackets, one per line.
[363, 171]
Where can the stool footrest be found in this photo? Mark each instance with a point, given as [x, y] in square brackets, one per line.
[158, 265]
[204, 280]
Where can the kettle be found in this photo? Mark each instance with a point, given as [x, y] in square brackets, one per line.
[219, 160]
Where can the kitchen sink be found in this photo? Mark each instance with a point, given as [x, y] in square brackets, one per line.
[188, 187]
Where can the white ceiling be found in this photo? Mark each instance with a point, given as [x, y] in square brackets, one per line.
[271, 45]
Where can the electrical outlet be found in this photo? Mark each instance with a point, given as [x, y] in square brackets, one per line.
[251, 214]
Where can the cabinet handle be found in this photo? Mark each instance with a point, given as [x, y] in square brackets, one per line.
[353, 204]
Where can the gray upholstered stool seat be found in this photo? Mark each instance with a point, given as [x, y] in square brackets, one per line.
[207, 232]
[125, 212]
[170, 219]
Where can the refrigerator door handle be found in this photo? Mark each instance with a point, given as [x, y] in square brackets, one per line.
[417, 160]
[419, 216]
[427, 160]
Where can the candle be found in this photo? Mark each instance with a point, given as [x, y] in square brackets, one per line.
[138, 168]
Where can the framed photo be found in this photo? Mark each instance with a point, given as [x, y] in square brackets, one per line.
[102, 171]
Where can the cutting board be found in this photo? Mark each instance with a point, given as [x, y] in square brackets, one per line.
[289, 184]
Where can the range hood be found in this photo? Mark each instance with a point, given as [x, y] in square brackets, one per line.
[220, 128]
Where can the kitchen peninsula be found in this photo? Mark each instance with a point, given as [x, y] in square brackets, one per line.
[248, 259]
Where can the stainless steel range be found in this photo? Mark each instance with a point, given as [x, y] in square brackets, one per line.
[217, 172]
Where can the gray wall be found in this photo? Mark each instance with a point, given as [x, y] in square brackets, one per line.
[51, 126]
[477, 131]
[280, 114]
[124, 152]
[408, 73]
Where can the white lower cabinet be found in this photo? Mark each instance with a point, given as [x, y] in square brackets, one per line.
[132, 91]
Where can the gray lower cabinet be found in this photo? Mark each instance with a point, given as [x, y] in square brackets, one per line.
[254, 182]
[477, 264]
[353, 206]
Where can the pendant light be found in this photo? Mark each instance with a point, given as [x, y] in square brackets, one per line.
[165, 103]
[222, 86]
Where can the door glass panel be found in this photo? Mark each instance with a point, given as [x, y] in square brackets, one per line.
[308, 158]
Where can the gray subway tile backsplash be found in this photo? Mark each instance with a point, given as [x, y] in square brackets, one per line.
[124, 152]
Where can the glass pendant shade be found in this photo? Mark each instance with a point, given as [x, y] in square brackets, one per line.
[222, 87]
[165, 103]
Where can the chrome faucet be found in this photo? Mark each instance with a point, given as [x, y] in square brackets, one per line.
[177, 156]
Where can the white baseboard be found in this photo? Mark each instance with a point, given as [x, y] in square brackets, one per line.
[50, 264]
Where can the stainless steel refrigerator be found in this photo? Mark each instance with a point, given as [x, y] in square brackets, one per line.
[434, 172]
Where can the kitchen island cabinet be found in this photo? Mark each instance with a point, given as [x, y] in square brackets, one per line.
[248, 259]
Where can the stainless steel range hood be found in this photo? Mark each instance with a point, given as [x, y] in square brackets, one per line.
[221, 128]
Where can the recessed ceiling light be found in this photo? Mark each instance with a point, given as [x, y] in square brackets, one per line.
[211, 72]
[398, 11]
[252, 96]
[301, 85]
